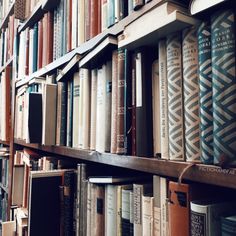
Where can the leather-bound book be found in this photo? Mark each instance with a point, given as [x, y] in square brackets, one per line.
[94, 21]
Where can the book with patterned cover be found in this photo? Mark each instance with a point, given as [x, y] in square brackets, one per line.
[224, 85]
[191, 94]
[205, 82]
[175, 97]
[163, 100]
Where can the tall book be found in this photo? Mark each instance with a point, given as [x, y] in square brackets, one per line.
[147, 215]
[175, 97]
[81, 17]
[156, 205]
[104, 13]
[61, 113]
[205, 81]
[114, 102]
[223, 73]
[137, 4]
[94, 23]
[69, 125]
[191, 94]
[76, 100]
[144, 136]
[163, 99]
[156, 108]
[93, 109]
[86, 108]
[110, 12]
[120, 103]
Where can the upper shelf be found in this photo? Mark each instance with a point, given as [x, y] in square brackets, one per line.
[148, 32]
[6, 18]
[200, 173]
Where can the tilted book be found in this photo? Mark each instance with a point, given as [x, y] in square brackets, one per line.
[224, 85]
[205, 82]
[175, 97]
[191, 94]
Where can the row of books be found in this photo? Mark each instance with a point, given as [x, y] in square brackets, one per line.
[4, 8]
[7, 40]
[84, 202]
[5, 104]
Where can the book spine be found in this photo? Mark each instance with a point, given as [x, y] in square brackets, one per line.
[94, 30]
[114, 102]
[163, 100]
[110, 12]
[93, 109]
[205, 82]
[191, 95]
[147, 215]
[125, 213]
[175, 98]
[137, 209]
[198, 221]
[69, 114]
[128, 103]
[35, 47]
[104, 11]
[156, 109]
[223, 74]
[87, 19]
[120, 103]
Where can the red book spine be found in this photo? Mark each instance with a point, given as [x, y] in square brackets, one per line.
[40, 43]
[94, 18]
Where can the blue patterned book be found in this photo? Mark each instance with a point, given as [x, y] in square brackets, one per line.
[191, 95]
[205, 81]
[224, 85]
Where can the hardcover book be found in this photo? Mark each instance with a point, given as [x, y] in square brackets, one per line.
[205, 82]
[191, 95]
[223, 72]
[175, 98]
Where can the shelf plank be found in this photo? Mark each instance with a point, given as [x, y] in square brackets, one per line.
[6, 64]
[35, 16]
[6, 18]
[199, 173]
[147, 33]
[6, 143]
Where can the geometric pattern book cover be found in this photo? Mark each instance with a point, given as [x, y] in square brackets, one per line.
[205, 82]
[191, 95]
[175, 97]
[224, 85]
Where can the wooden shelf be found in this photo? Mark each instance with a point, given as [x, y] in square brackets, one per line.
[4, 188]
[200, 173]
[5, 143]
[147, 33]
[6, 64]
[35, 16]
[6, 18]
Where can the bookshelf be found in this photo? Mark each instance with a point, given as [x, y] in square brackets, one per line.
[91, 55]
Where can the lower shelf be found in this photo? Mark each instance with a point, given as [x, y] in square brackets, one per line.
[200, 173]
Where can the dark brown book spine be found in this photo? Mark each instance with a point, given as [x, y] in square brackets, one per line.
[120, 103]
[94, 18]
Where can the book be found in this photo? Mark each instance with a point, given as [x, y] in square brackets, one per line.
[8, 228]
[147, 215]
[205, 81]
[206, 216]
[49, 99]
[228, 225]
[175, 97]
[17, 185]
[156, 109]
[111, 179]
[34, 119]
[163, 99]
[69, 125]
[223, 63]
[156, 205]
[114, 101]
[191, 94]
[144, 131]
[137, 4]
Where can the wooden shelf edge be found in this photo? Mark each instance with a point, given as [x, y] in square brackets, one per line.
[6, 64]
[34, 17]
[7, 143]
[5, 20]
[208, 174]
